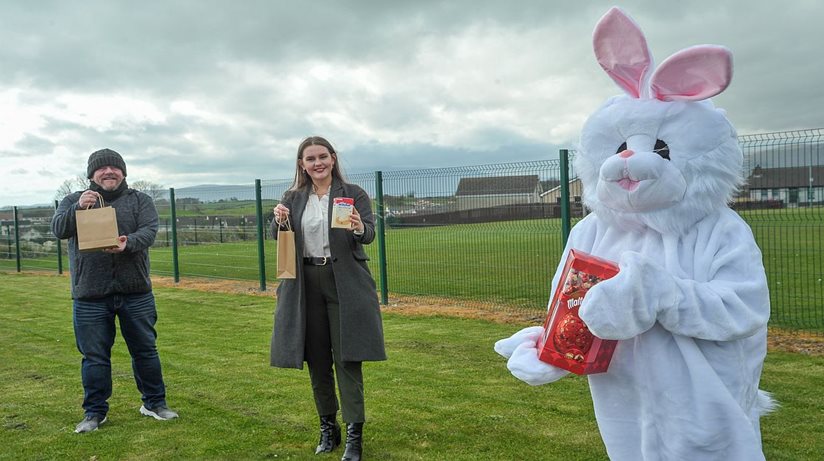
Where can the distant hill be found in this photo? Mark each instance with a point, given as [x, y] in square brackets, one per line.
[217, 192]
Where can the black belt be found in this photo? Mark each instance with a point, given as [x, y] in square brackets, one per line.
[318, 261]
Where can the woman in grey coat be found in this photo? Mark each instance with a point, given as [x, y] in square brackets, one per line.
[329, 314]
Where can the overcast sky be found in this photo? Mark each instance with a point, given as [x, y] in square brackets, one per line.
[222, 92]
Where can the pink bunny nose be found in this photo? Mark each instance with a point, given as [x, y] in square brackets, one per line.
[626, 154]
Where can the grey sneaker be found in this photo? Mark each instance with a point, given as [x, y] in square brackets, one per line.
[159, 413]
[89, 423]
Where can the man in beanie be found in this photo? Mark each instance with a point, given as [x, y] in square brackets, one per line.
[113, 283]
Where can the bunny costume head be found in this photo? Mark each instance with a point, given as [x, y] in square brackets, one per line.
[660, 155]
[689, 306]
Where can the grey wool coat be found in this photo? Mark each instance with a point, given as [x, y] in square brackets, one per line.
[361, 328]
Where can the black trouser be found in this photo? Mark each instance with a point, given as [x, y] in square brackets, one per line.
[323, 348]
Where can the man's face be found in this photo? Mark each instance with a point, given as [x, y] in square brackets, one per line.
[108, 177]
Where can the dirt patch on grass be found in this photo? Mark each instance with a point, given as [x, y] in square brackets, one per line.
[795, 341]
[215, 286]
[777, 339]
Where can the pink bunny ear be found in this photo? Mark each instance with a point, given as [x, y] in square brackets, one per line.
[693, 74]
[622, 51]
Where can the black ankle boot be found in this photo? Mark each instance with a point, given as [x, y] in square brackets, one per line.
[329, 434]
[354, 442]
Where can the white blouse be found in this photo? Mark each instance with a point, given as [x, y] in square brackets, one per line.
[315, 226]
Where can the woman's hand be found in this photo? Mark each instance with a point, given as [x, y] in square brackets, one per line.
[281, 214]
[355, 221]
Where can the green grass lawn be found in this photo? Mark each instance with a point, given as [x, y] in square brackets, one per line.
[442, 395]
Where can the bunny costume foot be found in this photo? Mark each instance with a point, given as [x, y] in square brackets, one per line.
[690, 304]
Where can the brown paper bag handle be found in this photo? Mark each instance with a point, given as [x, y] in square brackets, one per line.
[288, 224]
[99, 200]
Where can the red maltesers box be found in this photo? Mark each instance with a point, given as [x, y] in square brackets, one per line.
[567, 342]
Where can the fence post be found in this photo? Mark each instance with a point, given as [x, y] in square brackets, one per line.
[565, 219]
[17, 239]
[8, 239]
[381, 236]
[261, 252]
[175, 263]
[59, 248]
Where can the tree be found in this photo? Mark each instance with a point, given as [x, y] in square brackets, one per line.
[74, 184]
[153, 190]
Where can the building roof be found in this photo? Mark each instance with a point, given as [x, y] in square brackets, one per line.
[550, 184]
[778, 178]
[574, 183]
[498, 185]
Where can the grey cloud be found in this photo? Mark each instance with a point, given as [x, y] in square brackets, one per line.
[46, 173]
[389, 157]
[540, 68]
[34, 145]
[9, 154]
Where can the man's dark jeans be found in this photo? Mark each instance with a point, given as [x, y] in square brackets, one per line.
[94, 331]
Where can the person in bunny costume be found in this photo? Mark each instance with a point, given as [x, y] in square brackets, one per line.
[690, 304]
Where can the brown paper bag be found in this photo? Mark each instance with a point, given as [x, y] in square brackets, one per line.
[96, 228]
[286, 253]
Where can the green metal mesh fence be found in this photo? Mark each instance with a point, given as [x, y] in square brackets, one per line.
[783, 202]
[37, 245]
[216, 232]
[487, 235]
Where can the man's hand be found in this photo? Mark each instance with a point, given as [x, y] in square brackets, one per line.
[121, 245]
[88, 199]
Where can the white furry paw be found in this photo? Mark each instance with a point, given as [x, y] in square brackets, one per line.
[505, 347]
[524, 365]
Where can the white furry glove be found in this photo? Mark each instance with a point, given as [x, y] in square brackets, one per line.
[628, 304]
[522, 351]
[506, 347]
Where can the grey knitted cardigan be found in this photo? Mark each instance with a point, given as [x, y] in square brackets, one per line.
[99, 274]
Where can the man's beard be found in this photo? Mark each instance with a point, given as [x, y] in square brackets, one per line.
[109, 195]
[109, 188]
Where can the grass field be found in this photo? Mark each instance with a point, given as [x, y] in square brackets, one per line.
[509, 264]
[442, 395]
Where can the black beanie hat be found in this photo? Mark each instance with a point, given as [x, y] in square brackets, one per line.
[105, 157]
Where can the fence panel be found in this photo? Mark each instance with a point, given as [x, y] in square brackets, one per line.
[38, 246]
[216, 231]
[8, 246]
[783, 202]
[476, 235]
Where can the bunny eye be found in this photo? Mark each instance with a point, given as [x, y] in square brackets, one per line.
[662, 149]
[621, 148]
